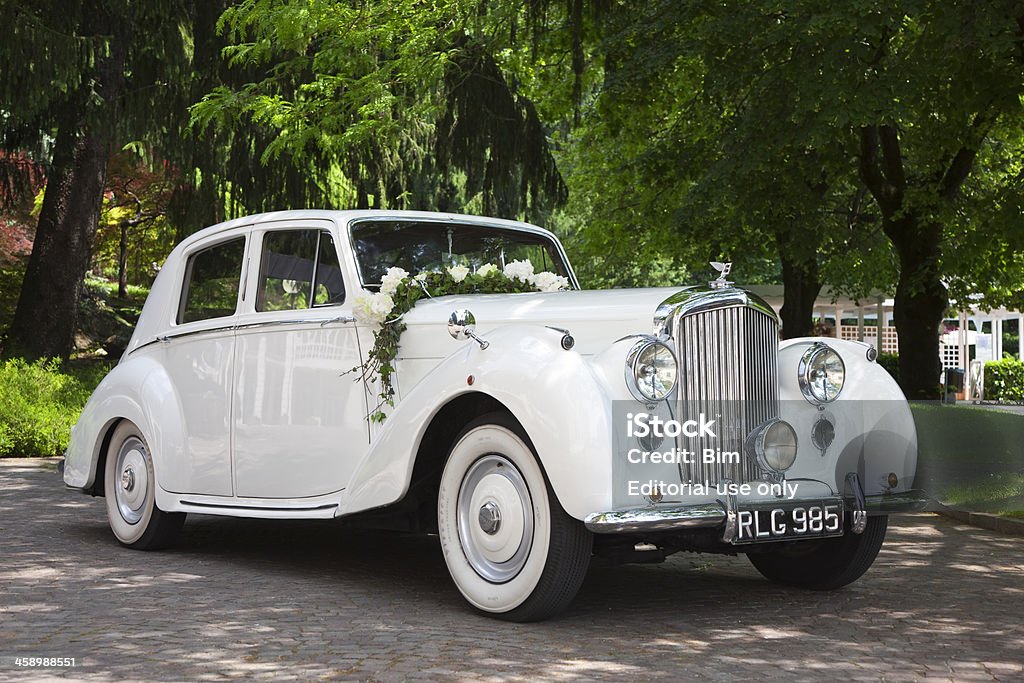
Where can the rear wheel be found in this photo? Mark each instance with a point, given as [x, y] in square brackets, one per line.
[826, 564]
[511, 549]
[130, 491]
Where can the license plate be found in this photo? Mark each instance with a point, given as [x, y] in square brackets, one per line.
[807, 519]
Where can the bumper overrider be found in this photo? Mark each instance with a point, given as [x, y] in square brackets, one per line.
[723, 513]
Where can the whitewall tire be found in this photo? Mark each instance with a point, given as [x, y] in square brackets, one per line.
[129, 486]
[511, 549]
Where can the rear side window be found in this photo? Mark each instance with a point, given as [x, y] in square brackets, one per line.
[212, 278]
[299, 269]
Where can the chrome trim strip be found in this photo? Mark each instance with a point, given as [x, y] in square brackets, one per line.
[329, 506]
[166, 338]
[859, 521]
[731, 516]
[906, 501]
[659, 518]
[302, 321]
[695, 299]
[673, 516]
[188, 333]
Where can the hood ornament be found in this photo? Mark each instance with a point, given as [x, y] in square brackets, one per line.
[723, 270]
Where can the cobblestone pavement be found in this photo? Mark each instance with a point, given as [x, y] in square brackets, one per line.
[247, 599]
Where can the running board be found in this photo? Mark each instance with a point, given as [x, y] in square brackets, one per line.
[326, 511]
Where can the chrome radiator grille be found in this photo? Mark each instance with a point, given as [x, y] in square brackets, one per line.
[728, 360]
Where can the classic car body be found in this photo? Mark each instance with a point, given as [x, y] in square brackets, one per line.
[515, 442]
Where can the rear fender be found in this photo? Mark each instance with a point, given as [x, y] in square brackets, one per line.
[140, 391]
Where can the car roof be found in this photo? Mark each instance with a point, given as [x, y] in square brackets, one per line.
[343, 217]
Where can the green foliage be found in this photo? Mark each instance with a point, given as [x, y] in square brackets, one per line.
[39, 402]
[1004, 380]
[108, 290]
[413, 104]
[133, 223]
[891, 363]
[970, 456]
[1001, 493]
[59, 51]
[733, 130]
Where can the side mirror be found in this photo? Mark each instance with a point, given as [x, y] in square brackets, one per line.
[462, 325]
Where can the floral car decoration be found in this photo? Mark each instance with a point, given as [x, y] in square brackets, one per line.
[531, 425]
[399, 293]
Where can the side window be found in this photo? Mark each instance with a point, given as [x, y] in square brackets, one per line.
[330, 287]
[286, 270]
[299, 269]
[212, 278]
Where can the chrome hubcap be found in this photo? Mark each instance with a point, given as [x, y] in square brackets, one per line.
[495, 518]
[490, 518]
[128, 479]
[131, 494]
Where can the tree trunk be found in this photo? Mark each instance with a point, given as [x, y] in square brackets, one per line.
[920, 304]
[800, 286]
[122, 262]
[44, 322]
[47, 314]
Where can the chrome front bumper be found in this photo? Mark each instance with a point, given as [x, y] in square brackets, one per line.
[676, 517]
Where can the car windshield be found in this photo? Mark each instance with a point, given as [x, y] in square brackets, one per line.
[419, 246]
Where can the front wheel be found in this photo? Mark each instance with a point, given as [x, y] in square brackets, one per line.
[129, 486]
[826, 564]
[511, 549]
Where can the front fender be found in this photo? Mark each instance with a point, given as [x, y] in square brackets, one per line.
[553, 393]
[875, 435]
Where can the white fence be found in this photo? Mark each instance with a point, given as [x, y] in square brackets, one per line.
[890, 342]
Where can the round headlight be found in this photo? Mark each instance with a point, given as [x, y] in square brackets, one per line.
[775, 445]
[651, 371]
[821, 374]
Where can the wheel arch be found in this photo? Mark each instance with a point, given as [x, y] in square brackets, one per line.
[568, 428]
[103, 447]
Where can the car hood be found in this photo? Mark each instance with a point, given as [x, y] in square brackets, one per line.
[594, 317]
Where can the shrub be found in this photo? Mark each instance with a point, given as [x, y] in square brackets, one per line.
[891, 363]
[1004, 380]
[38, 405]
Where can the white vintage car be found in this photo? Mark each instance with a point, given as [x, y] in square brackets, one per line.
[532, 432]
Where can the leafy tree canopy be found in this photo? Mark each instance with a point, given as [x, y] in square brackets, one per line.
[395, 103]
[813, 131]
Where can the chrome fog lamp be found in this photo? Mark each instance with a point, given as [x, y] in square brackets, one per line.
[821, 374]
[774, 444]
[651, 370]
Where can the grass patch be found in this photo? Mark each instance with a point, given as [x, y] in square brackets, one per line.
[970, 457]
[999, 493]
[108, 290]
[40, 401]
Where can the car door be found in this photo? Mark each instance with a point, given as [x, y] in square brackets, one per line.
[198, 353]
[299, 417]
